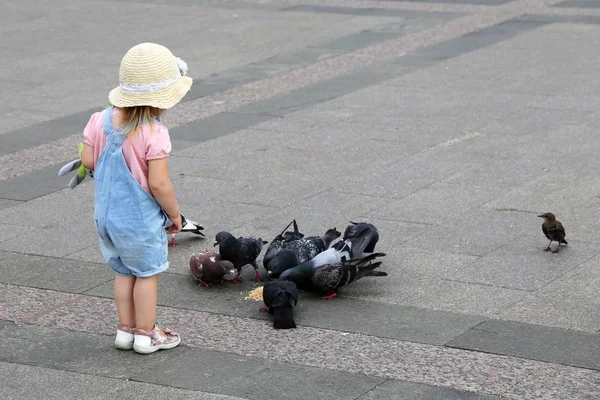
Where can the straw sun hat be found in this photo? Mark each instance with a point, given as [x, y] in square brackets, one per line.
[150, 75]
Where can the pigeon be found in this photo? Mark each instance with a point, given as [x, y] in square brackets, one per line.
[187, 225]
[344, 250]
[554, 231]
[208, 268]
[305, 249]
[330, 277]
[277, 244]
[240, 252]
[281, 297]
[352, 230]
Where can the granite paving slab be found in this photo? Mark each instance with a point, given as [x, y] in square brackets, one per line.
[51, 273]
[522, 264]
[388, 358]
[478, 232]
[20, 304]
[394, 389]
[570, 302]
[578, 4]
[57, 384]
[536, 342]
[254, 378]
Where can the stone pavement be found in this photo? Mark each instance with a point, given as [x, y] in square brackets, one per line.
[449, 124]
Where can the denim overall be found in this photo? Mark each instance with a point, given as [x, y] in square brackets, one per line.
[130, 222]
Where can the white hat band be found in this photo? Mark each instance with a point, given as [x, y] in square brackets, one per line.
[142, 88]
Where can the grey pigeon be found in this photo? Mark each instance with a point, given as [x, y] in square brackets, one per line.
[304, 249]
[280, 240]
[208, 268]
[240, 251]
[356, 227]
[281, 297]
[346, 250]
[328, 278]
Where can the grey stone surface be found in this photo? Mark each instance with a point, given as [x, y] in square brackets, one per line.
[394, 389]
[33, 382]
[52, 273]
[570, 302]
[5, 203]
[522, 264]
[253, 378]
[532, 341]
[75, 351]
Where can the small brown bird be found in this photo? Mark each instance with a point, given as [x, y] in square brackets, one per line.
[553, 230]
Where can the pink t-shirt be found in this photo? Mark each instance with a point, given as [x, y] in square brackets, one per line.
[148, 143]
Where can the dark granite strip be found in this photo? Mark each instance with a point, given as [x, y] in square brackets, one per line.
[475, 40]
[52, 273]
[373, 318]
[26, 187]
[35, 184]
[371, 11]
[45, 132]
[579, 4]
[75, 351]
[572, 19]
[554, 345]
[474, 2]
[397, 389]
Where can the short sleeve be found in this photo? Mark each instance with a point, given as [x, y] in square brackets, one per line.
[91, 130]
[158, 143]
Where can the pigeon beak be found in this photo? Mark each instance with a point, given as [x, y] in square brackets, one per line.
[216, 243]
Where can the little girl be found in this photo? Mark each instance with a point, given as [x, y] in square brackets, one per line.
[127, 148]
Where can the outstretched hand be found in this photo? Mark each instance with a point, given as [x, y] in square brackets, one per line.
[177, 224]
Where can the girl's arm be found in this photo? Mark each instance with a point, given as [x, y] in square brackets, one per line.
[162, 190]
[87, 156]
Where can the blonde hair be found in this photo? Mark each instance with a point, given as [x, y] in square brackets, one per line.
[134, 117]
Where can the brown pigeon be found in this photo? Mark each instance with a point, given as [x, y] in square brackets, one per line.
[208, 268]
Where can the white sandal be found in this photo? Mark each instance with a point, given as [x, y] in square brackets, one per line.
[149, 342]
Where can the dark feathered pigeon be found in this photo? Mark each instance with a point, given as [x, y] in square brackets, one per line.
[281, 297]
[240, 251]
[554, 231]
[356, 227]
[208, 268]
[304, 249]
[277, 244]
[346, 250]
[328, 278]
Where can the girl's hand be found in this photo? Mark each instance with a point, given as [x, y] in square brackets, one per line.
[176, 227]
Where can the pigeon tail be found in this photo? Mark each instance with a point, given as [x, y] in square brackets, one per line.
[377, 273]
[283, 318]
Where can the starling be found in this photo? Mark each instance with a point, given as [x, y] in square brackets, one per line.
[553, 230]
